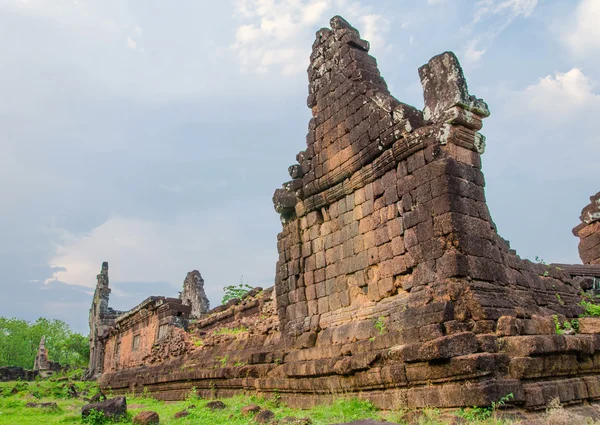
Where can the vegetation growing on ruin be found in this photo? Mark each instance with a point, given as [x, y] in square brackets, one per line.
[380, 325]
[591, 306]
[231, 331]
[19, 341]
[235, 291]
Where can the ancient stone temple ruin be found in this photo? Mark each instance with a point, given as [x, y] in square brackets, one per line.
[392, 283]
[193, 294]
[42, 366]
[121, 339]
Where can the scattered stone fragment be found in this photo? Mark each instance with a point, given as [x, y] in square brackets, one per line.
[146, 418]
[264, 416]
[250, 409]
[289, 420]
[216, 405]
[181, 414]
[98, 397]
[51, 405]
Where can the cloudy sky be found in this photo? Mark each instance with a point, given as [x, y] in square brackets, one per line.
[151, 134]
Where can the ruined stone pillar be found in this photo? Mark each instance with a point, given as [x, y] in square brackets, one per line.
[100, 318]
[589, 232]
[41, 359]
[193, 294]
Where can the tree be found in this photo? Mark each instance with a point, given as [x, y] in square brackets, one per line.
[233, 291]
[19, 341]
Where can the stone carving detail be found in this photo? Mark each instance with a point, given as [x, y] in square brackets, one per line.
[589, 232]
[193, 294]
[172, 345]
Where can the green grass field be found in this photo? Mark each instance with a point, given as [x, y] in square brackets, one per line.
[15, 395]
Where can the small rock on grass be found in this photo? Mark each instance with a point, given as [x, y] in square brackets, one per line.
[250, 409]
[43, 405]
[146, 418]
[264, 416]
[215, 405]
[181, 414]
[295, 421]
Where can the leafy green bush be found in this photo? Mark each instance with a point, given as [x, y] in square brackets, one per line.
[590, 309]
[234, 291]
[95, 417]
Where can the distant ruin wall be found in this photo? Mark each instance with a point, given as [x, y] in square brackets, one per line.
[12, 373]
[139, 336]
[392, 283]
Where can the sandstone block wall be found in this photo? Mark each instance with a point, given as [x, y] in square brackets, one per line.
[137, 336]
[386, 213]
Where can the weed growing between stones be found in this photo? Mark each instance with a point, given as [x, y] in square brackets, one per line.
[568, 327]
[477, 414]
[380, 325]
[590, 307]
[231, 331]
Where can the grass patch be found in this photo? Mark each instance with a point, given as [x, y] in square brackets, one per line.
[13, 410]
[231, 331]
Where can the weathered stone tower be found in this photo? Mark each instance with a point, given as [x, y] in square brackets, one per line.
[193, 294]
[101, 318]
[589, 232]
[41, 358]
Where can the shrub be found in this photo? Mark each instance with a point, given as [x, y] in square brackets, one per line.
[234, 291]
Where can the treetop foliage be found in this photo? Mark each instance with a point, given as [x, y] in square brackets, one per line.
[19, 341]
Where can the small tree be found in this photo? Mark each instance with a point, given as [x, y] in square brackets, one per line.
[236, 291]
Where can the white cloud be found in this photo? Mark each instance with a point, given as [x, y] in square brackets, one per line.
[131, 43]
[490, 19]
[471, 54]
[139, 250]
[276, 34]
[583, 36]
[558, 97]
